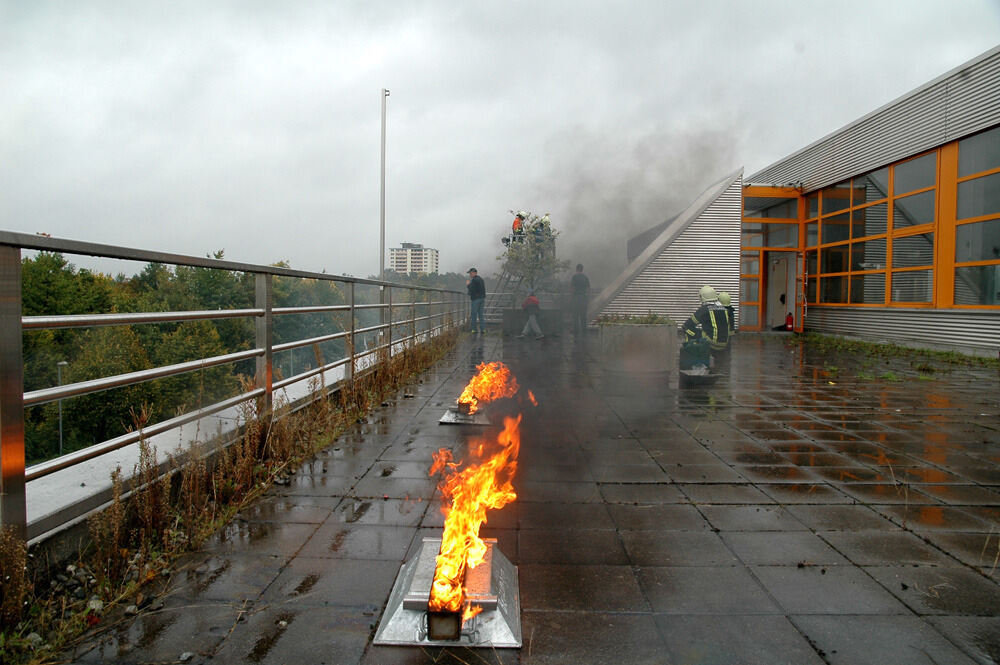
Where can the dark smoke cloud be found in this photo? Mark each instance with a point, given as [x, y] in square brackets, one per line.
[604, 189]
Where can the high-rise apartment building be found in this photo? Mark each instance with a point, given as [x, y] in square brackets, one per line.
[413, 257]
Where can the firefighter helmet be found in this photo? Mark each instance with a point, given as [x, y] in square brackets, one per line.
[708, 294]
[724, 299]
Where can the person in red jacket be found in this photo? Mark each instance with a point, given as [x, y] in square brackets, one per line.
[531, 307]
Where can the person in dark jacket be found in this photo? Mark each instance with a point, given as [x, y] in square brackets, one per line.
[726, 302]
[477, 297]
[713, 320]
[531, 308]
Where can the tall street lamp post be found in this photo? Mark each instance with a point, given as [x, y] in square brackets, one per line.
[59, 366]
[381, 247]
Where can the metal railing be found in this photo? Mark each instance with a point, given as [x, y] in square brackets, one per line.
[420, 314]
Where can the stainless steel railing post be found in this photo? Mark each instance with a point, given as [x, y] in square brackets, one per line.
[264, 339]
[13, 511]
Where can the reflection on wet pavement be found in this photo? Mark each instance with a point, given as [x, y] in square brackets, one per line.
[787, 513]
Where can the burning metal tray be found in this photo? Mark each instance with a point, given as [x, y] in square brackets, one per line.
[492, 584]
[453, 417]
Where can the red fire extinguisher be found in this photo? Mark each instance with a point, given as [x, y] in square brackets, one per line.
[789, 321]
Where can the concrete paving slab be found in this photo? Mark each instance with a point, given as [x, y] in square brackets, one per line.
[769, 518]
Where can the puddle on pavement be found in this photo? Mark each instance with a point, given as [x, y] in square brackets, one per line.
[267, 641]
[356, 511]
[306, 585]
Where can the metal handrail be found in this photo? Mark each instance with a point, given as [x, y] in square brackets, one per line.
[439, 308]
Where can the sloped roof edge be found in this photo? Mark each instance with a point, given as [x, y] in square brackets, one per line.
[669, 234]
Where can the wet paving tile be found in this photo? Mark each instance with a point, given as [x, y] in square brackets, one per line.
[869, 548]
[785, 549]
[887, 493]
[841, 518]
[775, 474]
[980, 550]
[336, 540]
[395, 488]
[702, 473]
[933, 518]
[558, 638]
[932, 590]
[979, 637]
[323, 582]
[720, 493]
[723, 640]
[803, 493]
[641, 493]
[227, 577]
[385, 512]
[676, 548]
[648, 517]
[592, 547]
[327, 486]
[296, 634]
[580, 588]
[962, 495]
[164, 635]
[269, 538]
[704, 590]
[630, 473]
[878, 640]
[279, 508]
[751, 518]
[827, 590]
[561, 516]
[574, 492]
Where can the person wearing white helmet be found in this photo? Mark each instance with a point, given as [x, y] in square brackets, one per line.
[712, 319]
[726, 302]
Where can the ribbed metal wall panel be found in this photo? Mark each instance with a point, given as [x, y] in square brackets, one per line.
[964, 330]
[959, 103]
[707, 252]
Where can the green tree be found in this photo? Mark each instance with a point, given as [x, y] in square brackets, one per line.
[531, 256]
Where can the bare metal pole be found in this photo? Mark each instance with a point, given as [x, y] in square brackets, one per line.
[59, 366]
[381, 247]
[13, 512]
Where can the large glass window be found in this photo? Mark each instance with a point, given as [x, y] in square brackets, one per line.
[750, 263]
[913, 286]
[978, 242]
[979, 153]
[871, 187]
[811, 289]
[868, 289]
[868, 255]
[913, 210]
[980, 196]
[870, 221]
[811, 265]
[834, 259]
[748, 316]
[913, 251]
[834, 289]
[749, 290]
[812, 234]
[812, 205]
[753, 234]
[915, 174]
[977, 285]
[837, 197]
[836, 228]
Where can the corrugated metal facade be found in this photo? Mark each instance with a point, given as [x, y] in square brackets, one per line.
[968, 330]
[706, 251]
[959, 103]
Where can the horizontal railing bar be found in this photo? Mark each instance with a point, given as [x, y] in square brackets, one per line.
[306, 342]
[377, 305]
[84, 320]
[96, 385]
[308, 309]
[58, 464]
[308, 373]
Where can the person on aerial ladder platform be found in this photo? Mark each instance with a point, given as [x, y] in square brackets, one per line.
[713, 320]
[517, 227]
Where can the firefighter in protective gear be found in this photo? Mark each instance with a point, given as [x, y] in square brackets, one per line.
[726, 302]
[713, 320]
[517, 227]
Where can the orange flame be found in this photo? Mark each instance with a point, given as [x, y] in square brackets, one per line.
[493, 381]
[468, 494]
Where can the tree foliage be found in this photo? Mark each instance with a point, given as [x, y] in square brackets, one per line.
[54, 286]
[531, 254]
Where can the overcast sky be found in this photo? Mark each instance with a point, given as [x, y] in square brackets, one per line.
[254, 127]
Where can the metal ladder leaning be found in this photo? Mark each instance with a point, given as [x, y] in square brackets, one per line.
[501, 297]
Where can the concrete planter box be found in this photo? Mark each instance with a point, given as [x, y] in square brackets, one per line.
[639, 348]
